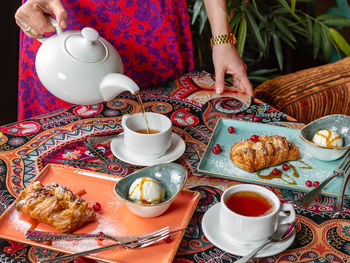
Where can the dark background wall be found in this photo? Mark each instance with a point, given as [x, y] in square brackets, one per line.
[9, 61]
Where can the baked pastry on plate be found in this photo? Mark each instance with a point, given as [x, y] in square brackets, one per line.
[264, 152]
[55, 205]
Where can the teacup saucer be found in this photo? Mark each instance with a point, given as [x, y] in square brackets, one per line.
[176, 149]
[214, 234]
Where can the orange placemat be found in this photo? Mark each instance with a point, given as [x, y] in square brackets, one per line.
[113, 219]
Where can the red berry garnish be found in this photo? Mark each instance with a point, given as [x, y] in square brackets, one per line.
[231, 129]
[254, 138]
[308, 183]
[285, 167]
[168, 239]
[96, 206]
[83, 260]
[316, 183]
[216, 149]
[276, 171]
[101, 233]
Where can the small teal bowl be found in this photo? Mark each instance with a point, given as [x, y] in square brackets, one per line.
[171, 176]
[337, 122]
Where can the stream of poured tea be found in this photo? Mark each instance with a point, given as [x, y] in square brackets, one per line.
[143, 112]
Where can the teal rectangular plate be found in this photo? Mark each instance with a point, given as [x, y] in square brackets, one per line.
[306, 168]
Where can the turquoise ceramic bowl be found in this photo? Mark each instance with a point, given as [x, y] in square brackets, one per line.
[171, 176]
[337, 122]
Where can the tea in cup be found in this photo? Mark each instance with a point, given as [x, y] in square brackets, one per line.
[251, 213]
[147, 140]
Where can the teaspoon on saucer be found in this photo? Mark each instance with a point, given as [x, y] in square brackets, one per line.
[275, 237]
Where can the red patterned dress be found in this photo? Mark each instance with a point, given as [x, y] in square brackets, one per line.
[152, 37]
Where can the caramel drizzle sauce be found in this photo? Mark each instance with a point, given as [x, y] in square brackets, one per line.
[140, 185]
[328, 137]
[283, 175]
[143, 112]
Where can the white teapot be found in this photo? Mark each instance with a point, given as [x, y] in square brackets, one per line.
[81, 67]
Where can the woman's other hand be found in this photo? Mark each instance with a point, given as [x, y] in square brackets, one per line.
[227, 60]
[225, 56]
[31, 17]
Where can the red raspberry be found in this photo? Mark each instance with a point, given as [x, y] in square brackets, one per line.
[254, 138]
[83, 260]
[285, 167]
[231, 129]
[101, 233]
[96, 206]
[168, 239]
[216, 149]
[308, 183]
[276, 171]
[316, 183]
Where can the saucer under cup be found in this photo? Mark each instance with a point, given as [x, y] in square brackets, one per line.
[176, 149]
[216, 236]
[142, 145]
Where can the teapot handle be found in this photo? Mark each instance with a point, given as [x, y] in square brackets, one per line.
[55, 24]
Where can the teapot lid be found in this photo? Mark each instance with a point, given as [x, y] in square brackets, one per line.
[86, 47]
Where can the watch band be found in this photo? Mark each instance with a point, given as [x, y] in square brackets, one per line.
[222, 39]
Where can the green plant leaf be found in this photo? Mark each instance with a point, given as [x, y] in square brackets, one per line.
[316, 39]
[256, 32]
[204, 17]
[278, 50]
[261, 17]
[324, 17]
[340, 41]
[235, 21]
[198, 4]
[281, 11]
[242, 35]
[284, 29]
[337, 22]
[326, 43]
[285, 4]
[262, 71]
[309, 31]
[285, 39]
[292, 5]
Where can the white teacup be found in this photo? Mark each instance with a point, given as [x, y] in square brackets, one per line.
[250, 228]
[142, 145]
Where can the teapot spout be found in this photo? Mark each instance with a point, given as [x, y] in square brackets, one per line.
[114, 83]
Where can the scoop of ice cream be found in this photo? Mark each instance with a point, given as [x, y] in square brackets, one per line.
[328, 138]
[146, 190]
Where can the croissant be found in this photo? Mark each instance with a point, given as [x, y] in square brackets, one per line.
[265, 152]
[55, 205]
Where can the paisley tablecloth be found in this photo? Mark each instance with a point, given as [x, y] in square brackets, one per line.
[190, 101]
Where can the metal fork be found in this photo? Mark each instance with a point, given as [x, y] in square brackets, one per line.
[340, 200]
[37, 235]
[307, 199]
[127, 242]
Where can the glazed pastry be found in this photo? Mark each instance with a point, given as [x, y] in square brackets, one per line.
[266, 151]
[55, 205]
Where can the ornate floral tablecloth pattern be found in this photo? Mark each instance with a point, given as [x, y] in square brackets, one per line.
[190, 101]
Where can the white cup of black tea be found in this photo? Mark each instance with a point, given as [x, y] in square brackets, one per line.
[252, 213]
[147, 138]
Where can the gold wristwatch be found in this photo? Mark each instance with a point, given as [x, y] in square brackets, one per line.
[222, 39]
